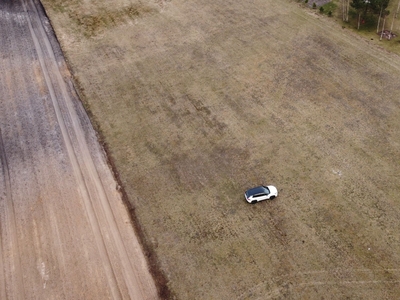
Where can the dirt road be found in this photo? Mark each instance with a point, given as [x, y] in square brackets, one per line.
[65, 232]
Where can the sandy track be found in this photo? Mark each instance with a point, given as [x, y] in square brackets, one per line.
[65, 233]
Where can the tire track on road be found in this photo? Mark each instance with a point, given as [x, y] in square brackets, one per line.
[112, 282]
[12, 228]
[2, 270]
[105, 218]
[2, 277]
[21, 110]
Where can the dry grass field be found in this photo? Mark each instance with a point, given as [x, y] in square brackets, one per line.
[199, 100]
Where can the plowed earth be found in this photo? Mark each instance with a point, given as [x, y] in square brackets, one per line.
[64, 230]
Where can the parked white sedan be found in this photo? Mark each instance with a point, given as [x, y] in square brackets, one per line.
[261, 193]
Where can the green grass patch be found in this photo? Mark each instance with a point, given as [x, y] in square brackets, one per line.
[329, 8]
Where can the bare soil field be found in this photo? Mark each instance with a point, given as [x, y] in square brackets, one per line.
[65, 232]
[199, 100]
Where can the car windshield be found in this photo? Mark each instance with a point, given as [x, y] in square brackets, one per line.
[257, 190]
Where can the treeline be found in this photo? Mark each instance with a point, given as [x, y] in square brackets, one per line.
[365, 8]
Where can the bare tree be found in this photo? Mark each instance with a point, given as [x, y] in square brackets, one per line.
[394, 17]
[397, 11]
[383, 25]
[345, 10]
[379, 7]
[379, 20]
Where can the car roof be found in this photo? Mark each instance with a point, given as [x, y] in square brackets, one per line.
[257, 190]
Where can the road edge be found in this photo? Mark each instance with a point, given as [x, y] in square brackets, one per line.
[155, 270]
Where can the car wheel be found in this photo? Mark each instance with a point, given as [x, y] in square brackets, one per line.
[272, 198]
[254, 202]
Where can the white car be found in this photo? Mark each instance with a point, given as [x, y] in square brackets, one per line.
[261, 193]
